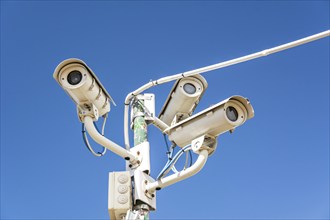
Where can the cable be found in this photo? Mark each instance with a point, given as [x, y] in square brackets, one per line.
[167, 147]
[190, 155]
[143, 106]
[187, 159]
[146, 110]
[172, 162]
[85, 138]
[170, 154]
[104, 122]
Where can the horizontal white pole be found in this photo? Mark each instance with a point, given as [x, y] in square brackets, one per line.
[126, 134]
[92, 131]
[174, 178]
[258, 54]
[229, 63]
[214, 67]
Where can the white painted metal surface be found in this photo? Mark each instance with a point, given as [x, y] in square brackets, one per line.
[211, 121]
[89, 89]
[179, 102]
[92, 131]
[120, 194]
[159, 124]
[140, 194]
[142, 151]
[174, 178]
[214, 67]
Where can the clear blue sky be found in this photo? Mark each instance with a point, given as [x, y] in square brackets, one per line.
[276, 166]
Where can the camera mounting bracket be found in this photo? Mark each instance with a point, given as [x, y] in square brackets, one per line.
[205, 142]
[87, 109]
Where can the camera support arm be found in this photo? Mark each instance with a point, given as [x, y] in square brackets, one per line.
[174, 178]
[92, 131]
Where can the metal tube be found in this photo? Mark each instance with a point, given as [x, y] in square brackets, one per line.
[106, 142]
[174, 178]
[214, 67]
[160, 124]
[169, 78]
[258, 54]
[126, 134]
[140, 136]
[233, 61]
[139, 124]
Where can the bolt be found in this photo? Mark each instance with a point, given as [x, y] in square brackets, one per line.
[138, 153]
[152, 195]
[146, 191]
[146, 182]
[138, 162]
[130, 166]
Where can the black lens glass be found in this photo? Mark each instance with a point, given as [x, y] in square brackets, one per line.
[74, 77]
[231, 113]
[189, 88]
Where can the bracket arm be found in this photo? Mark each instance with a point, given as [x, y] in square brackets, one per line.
[92, 131]
[174, 178]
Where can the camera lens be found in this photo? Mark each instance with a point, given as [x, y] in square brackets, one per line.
[231, 113]
[74, 77]
[189, 88]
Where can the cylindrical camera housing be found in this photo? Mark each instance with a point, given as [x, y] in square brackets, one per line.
[214, 121]
[183, 99]
[82, 85]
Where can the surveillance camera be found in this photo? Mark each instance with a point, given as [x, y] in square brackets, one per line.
[83, 86]
[213, 121]
[183, 99]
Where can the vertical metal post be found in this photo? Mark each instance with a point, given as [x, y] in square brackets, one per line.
[140, 136]
[139, 123]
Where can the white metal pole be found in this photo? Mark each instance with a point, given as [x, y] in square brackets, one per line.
[258, 54]
[214, 67]
[92, 131]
